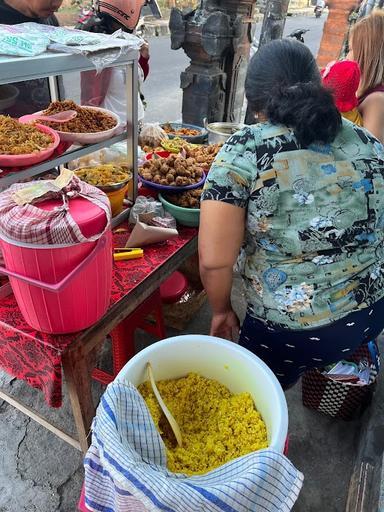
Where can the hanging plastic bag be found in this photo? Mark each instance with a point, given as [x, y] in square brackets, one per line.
[18, 40]
[145, 205]
[151, 135]
[115, 154]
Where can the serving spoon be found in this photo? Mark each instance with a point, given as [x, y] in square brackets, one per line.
[171, 420]
[60, 117]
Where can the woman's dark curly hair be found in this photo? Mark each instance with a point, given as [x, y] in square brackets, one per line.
[283, 83]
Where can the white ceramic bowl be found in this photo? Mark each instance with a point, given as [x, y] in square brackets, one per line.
[87, 138]
[218, 359]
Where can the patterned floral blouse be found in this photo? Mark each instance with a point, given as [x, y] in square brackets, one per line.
[314, 241]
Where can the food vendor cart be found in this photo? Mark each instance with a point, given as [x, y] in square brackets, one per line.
[42, 359]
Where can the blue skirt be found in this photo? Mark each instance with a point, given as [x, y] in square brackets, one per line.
[290, 353]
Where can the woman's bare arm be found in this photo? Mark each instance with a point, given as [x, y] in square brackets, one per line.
[372, 110]
[220, 237]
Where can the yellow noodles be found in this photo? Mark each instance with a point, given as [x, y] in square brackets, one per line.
[21, 139]
[103, 175]
[216, 425]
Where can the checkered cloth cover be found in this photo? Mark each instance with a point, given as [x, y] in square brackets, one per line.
[30, 224]
[125, 469]
[338, 399]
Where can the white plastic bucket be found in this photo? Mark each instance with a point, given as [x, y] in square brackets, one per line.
[234, 366]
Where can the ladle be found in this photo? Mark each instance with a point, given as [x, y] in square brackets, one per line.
[60, 117]
[171, 420]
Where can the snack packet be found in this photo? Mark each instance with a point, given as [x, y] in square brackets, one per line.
[17, 40]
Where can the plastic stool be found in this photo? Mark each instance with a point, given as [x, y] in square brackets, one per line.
[123, 336]
[173, 288]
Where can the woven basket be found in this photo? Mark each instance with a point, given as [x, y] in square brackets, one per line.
[339, 399]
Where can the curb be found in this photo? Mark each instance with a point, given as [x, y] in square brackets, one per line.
[366, 488]
[160, 27]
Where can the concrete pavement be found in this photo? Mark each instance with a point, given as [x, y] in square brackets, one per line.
[40, 473]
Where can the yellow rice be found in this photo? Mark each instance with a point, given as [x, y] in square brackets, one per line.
[216, 425]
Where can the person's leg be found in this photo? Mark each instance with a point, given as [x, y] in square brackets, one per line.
[289, 354]
[273, 348]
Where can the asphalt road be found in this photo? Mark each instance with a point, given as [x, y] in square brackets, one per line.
[162, 88]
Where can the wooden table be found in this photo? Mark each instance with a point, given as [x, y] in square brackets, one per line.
[40, 359]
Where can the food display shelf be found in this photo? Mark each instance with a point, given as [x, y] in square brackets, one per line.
[66, 157]
[19, 69]
[50, 64]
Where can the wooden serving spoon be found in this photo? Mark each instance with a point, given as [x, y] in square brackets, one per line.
[171, 420]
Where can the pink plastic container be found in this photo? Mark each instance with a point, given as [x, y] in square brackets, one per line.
[33, 158]
[63, 289]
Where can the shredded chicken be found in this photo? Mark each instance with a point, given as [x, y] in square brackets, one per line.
[88, 120]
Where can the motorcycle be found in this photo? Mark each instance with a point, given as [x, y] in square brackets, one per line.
[298, 34]
[318, 11]
[150, 9]
[319, 8]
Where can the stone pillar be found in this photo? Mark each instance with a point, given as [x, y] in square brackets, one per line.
[275, 14]
[216, 37]
[335, 30]
[273, 21]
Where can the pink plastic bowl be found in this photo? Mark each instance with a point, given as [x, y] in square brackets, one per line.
[32, 158]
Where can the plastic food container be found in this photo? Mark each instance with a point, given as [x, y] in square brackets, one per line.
[116, 194]
[161, 154]
[233, 366]
[63, 288]
[184, 216]
[157, 186]
[86, 138]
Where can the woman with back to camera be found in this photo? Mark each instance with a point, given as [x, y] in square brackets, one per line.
[367, 49]
[298, 200]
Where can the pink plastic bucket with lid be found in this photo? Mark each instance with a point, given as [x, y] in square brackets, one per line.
[63, 289]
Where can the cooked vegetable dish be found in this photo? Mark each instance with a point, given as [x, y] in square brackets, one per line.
[175, 145]
[21, 139]
[216, 426]
[103, 175]
[174, 171]
[88, 120]
[189, 132]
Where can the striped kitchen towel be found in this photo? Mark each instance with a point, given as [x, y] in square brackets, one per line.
[125, 469]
